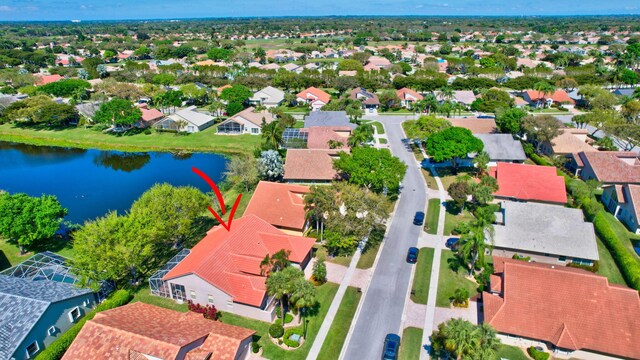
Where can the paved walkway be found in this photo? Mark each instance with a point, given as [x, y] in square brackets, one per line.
[336, 273]
[335, 305]
[444, 314]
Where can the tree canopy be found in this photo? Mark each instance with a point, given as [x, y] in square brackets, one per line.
[118, 112]
[452, 144]
[375, 169]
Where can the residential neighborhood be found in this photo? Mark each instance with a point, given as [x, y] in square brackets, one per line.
[319, 186]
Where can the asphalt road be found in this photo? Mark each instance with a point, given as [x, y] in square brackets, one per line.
[383, 305]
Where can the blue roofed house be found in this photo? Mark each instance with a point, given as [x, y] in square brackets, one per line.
[39, 301]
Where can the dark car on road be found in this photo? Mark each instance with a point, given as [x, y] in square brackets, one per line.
[391, 347]
[412, 255]
[453, 243]
[419, 218]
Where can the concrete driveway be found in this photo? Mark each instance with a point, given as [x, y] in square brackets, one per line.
[383, 303]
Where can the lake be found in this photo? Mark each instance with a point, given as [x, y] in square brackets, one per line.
[91, 182]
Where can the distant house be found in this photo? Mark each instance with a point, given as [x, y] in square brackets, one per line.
[370, 101]
[572, 313]
[187, 119]
[328, 118]
[287, 198]
[377, 63]
[88, 109]
[465, 97]
[569, 142]
[539, 99]
[149, 116]
[608, 167]
[292, 67]
[47, 79]
[315, 97]
[142, 331]
[545, 233]
[310, 165]
[623, 201]
[223, 269]
[248, 121]
[408, 97]
[38, 303]
[268, 97]
[522, 182]
[624, 92]
[503, 148]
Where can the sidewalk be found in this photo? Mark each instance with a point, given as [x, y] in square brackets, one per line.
[335, 305]
[336, 273]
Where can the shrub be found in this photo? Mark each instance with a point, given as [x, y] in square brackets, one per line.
[537, 354]
[255, 347]
[287, 335]
[628, 265]
[276, 330]
[208, 311]
[520, 257]
[56, 349]
[461, 297]
[291, 343]
[320, 272]
[288, 318]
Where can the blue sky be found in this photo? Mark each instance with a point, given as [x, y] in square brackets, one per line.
[171, 9]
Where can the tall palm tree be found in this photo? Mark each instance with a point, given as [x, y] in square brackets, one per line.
[275, 262]
[543, 88]
[446, 94]
[303, 296]
[473, 245]
[272, 134]
[317, 203]
[462, 339]
[280, 285]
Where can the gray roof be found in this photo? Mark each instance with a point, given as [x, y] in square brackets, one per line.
[624, 92]
[271, 94]
[22, 303]
[545, 229]
[328, 118]
[502, 147]
[191, 115]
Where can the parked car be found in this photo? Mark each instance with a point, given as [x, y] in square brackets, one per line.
[452, 243]
[412, 255]
[419, 218]
[391, 347]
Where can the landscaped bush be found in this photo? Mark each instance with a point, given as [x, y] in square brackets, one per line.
[255, 347]
[56, 349]
[626, 262]
[520, 257]
[537, 354]
[208, 311]
[287, 335]
[288, 318]
[276, 330]
[540, 160]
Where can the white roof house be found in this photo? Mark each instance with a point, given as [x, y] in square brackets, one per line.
[269, 97]
[247, 121]
[187, 119]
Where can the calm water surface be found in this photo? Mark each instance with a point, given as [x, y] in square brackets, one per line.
[91, 182]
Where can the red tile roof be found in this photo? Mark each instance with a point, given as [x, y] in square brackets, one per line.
[150, 114]
[309, 164]
[133, 330]
[279, 204]
[230, 260]
[558, 96]
[405, 94]
[619, 167]
[370, 98]
[570, 308]
[46, 79]
[313, 93]
[529, 182]
[319, 136]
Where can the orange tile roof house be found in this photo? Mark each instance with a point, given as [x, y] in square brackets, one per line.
[529, 183]
[247, 121]
[281, 205]
[559, 97]
[149, 116]
[570, 141]
[310, 165]
[223, 269]
[408, 96]
[314, 97]
[143, 331]
[46, 79]
[608, 167]
[318, 137]
[623, 201]
[475, 125]
[574, 312]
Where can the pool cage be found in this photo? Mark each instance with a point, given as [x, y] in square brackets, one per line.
[53, 267]
[158, 286]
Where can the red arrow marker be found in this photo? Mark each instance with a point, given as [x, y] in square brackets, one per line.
[223, 209]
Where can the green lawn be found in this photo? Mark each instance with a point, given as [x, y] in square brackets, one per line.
[299, 124]
[325, 294]
[452, 276]
[204, 141]
[429, 179]
[511, 353]
[608, 267]
[448, 177]
[340, 327]
[378, 126]
[433, 212]
[10, 252]
[143, 294]
[368, 257]
[341, 260]
[452, 219]
[422, 276]
[383, 141]
[411, 344]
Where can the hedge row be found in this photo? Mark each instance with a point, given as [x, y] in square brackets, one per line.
[537, 354]
[56, 349]
[628, 265]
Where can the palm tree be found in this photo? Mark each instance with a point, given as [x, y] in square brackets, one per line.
[216, 107]
[360, 135]
[275, 262]
[473, 245]
[543, 88]
[446, 94]
[303, 296]
[461, 338]
[272, 134]
[317, 203]
[280, 285]
[481, 161]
